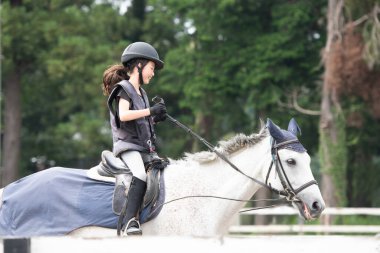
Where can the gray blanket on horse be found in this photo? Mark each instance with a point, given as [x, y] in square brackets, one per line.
[55, 202]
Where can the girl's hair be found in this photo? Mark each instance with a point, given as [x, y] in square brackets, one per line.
[112, 76]
[117, 73]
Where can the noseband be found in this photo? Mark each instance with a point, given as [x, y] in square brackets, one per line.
[289, 192]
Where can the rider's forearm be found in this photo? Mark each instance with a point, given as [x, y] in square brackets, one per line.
[134, 114]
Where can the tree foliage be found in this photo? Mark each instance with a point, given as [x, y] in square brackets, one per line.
[227, 64]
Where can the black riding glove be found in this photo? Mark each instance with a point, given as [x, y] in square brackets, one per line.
[160, 117]
[157, 109]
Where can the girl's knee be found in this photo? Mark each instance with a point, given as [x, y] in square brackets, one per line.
[135, 163]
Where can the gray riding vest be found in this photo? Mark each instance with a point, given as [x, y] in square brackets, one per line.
[135, 134]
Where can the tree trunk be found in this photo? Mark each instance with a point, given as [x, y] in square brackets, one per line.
[10, 152]
[333, 150]
[347, 77]
[138, 14]
[203, 126]
[12, 128]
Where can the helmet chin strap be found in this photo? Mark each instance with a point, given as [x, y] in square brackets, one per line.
[141, 81]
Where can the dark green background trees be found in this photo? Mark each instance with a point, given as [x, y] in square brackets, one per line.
[227, 64]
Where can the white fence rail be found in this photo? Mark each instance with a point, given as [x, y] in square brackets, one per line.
[304, 228]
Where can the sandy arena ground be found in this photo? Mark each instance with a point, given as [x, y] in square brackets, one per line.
[238, 244]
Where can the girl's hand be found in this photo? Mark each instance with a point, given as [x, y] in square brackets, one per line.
[158, 108]
[160, 117]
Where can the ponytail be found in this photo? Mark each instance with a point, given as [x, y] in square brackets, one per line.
[117, 73]
[112, 76]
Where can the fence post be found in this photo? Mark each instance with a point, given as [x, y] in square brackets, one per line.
[16, 245]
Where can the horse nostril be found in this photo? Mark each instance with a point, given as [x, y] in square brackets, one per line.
[316, 206]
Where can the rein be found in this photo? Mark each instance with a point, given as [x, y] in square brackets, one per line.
[289, 193]
[231, 199]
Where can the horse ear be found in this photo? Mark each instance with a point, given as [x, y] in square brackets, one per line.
[274, 131]
[294, 128]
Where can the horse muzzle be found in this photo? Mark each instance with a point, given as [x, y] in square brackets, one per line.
[310, 211]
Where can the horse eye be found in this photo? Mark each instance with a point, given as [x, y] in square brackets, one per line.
[291, 161]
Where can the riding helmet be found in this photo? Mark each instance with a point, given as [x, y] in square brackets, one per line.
[141, 50]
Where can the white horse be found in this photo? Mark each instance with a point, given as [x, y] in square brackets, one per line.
[205, 174]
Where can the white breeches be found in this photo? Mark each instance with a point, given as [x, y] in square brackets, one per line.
[135, 163]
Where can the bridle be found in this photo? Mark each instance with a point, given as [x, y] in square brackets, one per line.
[289, 192]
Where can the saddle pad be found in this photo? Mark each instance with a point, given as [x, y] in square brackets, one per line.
[55, 201]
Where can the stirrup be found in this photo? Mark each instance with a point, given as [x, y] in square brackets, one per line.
[132, 228]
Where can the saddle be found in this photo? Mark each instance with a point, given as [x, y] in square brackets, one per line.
[113, 169]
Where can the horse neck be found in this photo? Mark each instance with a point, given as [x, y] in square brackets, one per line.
[217, 178]
[252, 161]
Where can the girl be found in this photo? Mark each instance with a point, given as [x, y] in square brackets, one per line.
[132, 119]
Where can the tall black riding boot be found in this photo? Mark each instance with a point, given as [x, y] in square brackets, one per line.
[135, 197]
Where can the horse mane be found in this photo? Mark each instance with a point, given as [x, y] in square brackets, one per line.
[228, 147]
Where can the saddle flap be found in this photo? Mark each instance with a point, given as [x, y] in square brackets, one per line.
[119, 199]
[152, 183]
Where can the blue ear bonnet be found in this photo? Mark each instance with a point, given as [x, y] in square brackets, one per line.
[281, 135]
[295, 146]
